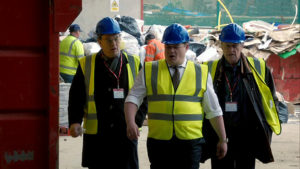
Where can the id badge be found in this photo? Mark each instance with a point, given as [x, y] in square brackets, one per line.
[118, 93]
[231, 106]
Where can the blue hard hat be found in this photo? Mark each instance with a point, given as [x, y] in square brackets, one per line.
[232, 33]
[175, 34]
[107, 26]
[74, 28]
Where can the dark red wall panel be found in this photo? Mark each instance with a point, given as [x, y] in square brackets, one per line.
[29, 59]
[286, 73]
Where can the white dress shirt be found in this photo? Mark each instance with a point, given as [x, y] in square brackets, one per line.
[210, 101]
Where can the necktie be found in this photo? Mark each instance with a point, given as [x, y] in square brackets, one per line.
[175, 78]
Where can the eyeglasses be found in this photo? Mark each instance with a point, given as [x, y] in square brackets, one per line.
[231, 45]
[169, 47]
[112, 40]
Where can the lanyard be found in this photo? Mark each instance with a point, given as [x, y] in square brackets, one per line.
[117, 77]
[231, 89]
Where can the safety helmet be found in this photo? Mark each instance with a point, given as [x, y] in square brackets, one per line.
[74, 28]
[175, 34]
[232, 33]
[107, 26]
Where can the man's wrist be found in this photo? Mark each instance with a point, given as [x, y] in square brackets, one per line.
[130, 121]
[223, 140]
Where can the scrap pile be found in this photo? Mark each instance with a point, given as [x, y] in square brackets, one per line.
[269, 39]
[262, 39]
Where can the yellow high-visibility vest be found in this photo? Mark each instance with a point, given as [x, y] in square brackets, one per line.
[169, 111]
[87, 63]
[258, 67]
[70, 50]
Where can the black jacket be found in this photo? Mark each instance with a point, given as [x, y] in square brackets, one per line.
[256, 135]
[110, 111]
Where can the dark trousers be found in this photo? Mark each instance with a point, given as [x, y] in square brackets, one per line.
[239, 161]
[241, 149]
[174, 153]
[109, 152]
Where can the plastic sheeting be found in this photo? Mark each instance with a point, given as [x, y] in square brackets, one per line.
[91, 48]
[130, 44]
[130, 25]
[209, 54]
[198, 48]
[157, 31]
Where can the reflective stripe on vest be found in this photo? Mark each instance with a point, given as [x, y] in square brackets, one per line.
[258, 68]
[68, 59]
[167, 109]
[259, 65]
[212, 66]
[70, 50]
[259, 71]
[87, 63]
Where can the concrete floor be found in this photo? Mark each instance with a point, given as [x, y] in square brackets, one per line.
[285, 150]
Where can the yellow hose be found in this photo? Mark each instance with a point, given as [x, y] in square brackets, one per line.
[219, 20]
[222, 25]
[226, 11]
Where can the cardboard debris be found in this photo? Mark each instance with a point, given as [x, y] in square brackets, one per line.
[278, 48]
[263, 39]
[257, 26]
[255, 41]
[286, 34]
[272, 39]
[256, 53]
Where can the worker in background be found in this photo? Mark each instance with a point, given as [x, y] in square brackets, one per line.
[178, 93]
[246, 92]
[97, 96]
[70, 50]
[155, 50]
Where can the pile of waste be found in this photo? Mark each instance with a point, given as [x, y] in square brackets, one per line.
[262, 39]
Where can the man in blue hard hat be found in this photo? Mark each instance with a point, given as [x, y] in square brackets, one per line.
[246, 92]
[97, 97]
[70, 50]
[179, 94]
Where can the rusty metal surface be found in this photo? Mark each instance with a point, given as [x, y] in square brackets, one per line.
[29, 80]
[286, 74]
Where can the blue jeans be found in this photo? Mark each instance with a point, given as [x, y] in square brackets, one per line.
[67, 78]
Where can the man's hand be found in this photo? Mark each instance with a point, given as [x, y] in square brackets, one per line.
[218, 125]
[75, 130]
[133, 131]
[221, 149]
